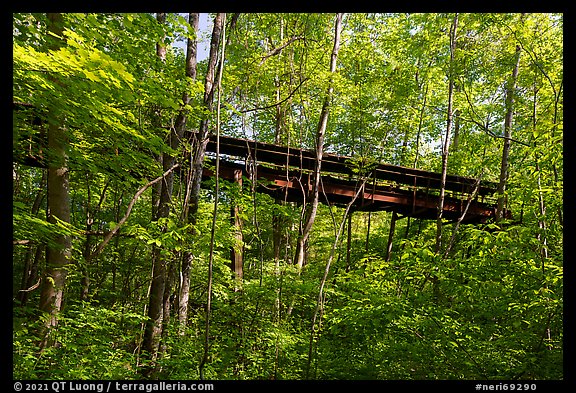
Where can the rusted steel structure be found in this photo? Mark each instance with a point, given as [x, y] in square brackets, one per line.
[285, 173]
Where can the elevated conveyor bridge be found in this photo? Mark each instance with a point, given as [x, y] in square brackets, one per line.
[286, 173]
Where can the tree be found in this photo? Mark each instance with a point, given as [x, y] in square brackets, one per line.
[160, 288]
[184, 294]
[447, 135]
[312, 206]
[510, 92]
[198, 151]
[153, 331]
[58, 253]
[204, 359]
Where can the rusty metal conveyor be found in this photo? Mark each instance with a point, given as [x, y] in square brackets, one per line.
[285, 173]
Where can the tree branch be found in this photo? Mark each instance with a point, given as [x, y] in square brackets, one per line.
[20, 242]
[279, 102]
[484, 127]
[277, 50]
[461, 218]
[111, 234]
[33, 287]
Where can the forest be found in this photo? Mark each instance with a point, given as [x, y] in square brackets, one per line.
[318, 196]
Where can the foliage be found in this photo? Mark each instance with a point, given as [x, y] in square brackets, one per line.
[94, 342]
[492, 308]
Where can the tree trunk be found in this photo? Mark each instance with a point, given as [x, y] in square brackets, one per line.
[58, 254]
[446, 145]
[160, 47]
[279, 235]
[30, 273]
[416, 157]
[510, 92]
[456, 129]
[220, 31]
[159, 302]
[367, 244]
[463, 215]
[156, 118]
[184, 293]
[153, 330]
[542, 233]
[391, 235]
[166, 307]
[198, 152]
[85, 280]
[199, 145]
[313, 205]
[87, 252]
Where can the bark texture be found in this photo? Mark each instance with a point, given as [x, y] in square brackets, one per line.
[446, 146]
[312, 206]
[58, 252]
[508, 120]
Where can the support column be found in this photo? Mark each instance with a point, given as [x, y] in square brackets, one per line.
[391, 235]
[349, 241]
[236, 259]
